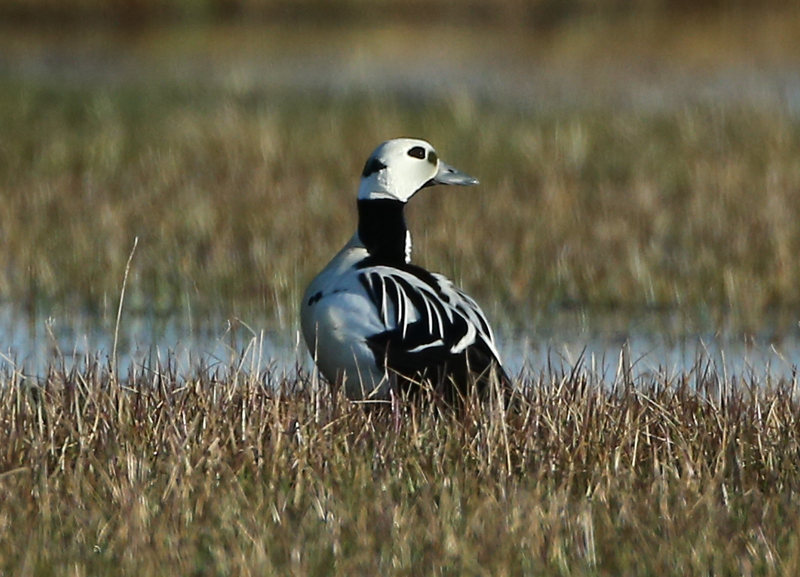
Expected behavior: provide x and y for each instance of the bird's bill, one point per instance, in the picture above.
(449, 175)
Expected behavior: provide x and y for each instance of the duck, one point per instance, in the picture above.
(379, 326)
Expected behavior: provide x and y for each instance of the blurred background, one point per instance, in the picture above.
(639, 164)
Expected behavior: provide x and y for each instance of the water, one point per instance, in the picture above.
(652, 344)
(31, 344)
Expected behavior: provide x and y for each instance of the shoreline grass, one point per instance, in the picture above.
(232, 472)
(238, 198)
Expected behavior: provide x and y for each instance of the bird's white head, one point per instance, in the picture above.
(399, 168)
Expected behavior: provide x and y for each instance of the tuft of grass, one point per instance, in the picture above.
(225, 471)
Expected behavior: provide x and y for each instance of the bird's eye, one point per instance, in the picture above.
(432, 158)
(417, 152)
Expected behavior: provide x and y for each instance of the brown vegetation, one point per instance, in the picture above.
(239, 198)
(223, 471)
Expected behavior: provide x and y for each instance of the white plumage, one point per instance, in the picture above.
(376, 323)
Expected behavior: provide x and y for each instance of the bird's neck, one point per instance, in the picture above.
(382, 229)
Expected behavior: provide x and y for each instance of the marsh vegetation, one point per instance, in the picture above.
(239, 182)
(237, 198)
(235, 472)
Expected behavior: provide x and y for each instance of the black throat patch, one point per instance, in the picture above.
(382, 229)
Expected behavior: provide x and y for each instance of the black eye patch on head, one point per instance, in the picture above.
(417, 152)
(372, 166)
(432, 158)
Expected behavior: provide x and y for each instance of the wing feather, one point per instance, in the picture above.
(431, 327)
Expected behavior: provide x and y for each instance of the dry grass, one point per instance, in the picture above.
(228, 472)
(238, 198)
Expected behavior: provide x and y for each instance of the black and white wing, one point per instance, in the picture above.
(433, 330)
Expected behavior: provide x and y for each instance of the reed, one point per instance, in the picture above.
(222, 470)
(239, 197)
